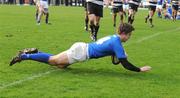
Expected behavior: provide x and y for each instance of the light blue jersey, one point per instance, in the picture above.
(169, 1)
(160, 2)
(44, 0)
(110, 45)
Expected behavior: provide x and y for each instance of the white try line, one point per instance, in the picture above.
(48, 72)
(26, 79)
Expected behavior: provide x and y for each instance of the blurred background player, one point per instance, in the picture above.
(174, 9)
(95, 12)
(168, 13)
(43, 9)
(159, 8)
(37, 4)
(117, 8)
(152, 9)
(125, 7)
(80, 51)
(178, 13)
(133, 8)
(86, 16)
(168, 10)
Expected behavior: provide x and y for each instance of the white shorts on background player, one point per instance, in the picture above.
(159, 7)
(44, 4)
(125, 6)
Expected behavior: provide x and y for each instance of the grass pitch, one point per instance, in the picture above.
(157, 47)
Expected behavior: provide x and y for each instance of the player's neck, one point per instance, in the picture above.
(120, 37)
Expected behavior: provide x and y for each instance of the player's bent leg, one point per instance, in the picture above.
(47, 16)
(132, 17)
(37, 11)
(92, 25)
(129, 15)
(114, 19)
(40, 15)
(46, 13)
(121, 16)
(86, 21)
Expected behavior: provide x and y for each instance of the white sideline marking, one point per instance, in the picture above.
(152, 36)
(26, 79)
(48, 72)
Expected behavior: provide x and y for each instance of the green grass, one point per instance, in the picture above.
(95, 78)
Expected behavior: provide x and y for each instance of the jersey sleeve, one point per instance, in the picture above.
(119, 51)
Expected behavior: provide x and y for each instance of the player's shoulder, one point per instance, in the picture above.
(115, 36)
(114, 39)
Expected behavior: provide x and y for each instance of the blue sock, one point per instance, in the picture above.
(159, 14)
(40, 56)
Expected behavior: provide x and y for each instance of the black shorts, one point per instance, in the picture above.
(133, 6)
(95, 9)
(175, 7)
(164, 6)
(117, 9)
(152, 8)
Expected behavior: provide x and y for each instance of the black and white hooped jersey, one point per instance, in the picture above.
(175, 2)
(98, 2)
(117, 3)
(152, 2)
(136, 2)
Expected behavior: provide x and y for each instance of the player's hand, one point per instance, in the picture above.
(145, 68)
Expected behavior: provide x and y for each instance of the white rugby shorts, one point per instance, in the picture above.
(44, 4)
(78, 52)
(159, 7)
(125, 6)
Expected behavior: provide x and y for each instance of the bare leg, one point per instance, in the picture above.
(114, 19)
(97, 20)
(60, 60)
(92, 25)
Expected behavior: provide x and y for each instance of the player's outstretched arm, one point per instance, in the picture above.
(126, 64)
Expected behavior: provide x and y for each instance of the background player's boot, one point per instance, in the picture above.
(151, 25)
(86, 27)
(146, 18)
(94, 36)
(114, 25)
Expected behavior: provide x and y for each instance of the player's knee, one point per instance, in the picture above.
(91, 22)
(97, 24)
(53, 61)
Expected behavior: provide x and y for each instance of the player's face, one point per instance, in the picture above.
(126, 37)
